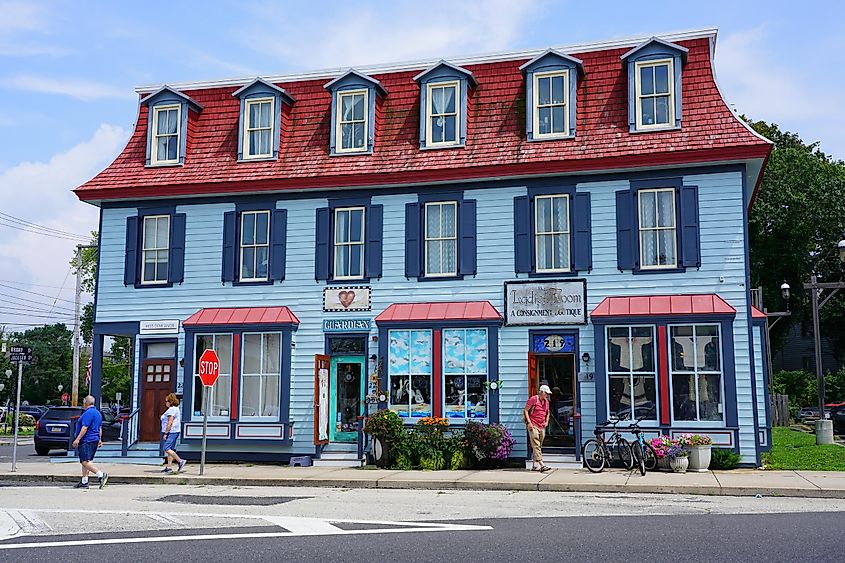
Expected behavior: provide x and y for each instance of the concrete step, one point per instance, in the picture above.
(338, 463)
(557, 461)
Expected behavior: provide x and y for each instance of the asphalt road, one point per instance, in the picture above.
(26, 452)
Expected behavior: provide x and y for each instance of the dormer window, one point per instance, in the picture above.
(260, 119)
(167, 126)
(444, 89)
(654, 85)
(550, 86)
(354, 97)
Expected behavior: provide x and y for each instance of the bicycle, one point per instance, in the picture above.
(645, 458)
(597, 452)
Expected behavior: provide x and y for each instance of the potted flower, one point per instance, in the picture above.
(699, 452)
(386, 428)
(661, 445)
(678, 458)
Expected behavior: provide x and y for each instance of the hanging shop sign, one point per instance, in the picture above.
(552, 343)
(355, 298)
(552, 302)
(346, 325)
(159, 327)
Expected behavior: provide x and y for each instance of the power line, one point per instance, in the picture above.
(30, 309)
(43, 233)
(33, 284)
(37, 226)
(64, 281)
(36, 293)
(41, 303)
(12, 312)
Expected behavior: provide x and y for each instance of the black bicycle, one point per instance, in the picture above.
(645, 458)
(599, 452)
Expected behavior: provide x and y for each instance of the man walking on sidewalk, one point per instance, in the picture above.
(536, 417)
(87, 441)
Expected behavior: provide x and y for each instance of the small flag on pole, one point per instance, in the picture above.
(88, 374)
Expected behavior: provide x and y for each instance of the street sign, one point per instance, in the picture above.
(20, 354)
(209, 367)
(65, 397)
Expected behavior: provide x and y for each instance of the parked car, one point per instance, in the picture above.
(53, 430)
(837, 415)
(35, 411)
(807, 414)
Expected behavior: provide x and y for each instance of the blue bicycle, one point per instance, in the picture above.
(643, 453)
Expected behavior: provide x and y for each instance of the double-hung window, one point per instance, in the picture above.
(165, 141)
(351, 126)
(349, 233)
(155, 250)
(255, 246)
(441, 239)
(258, 128)
(261, 376)
(442, 113)
(551, 115)
(655, 104)
(658, 235)
(696, 373)
(221, 392)
(552, 233)
(632, 372)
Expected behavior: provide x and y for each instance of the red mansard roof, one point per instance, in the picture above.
(496, 146)
(450, 311)
(660, 305)
(242, 316)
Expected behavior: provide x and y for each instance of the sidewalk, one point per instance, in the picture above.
(739, 482)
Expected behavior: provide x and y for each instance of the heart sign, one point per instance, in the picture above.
(346, 298)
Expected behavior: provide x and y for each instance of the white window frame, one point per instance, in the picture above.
(339, 122)
(657, 228)
(536, 103)
(254, 245)
(225, 371)
(639, 95)
(427, 239)
(155, 249)
(248, 129)
(391, 403)
(262, 391)
(698, 422)
(154, 159)
(655, 421)
(429, 107)
(566, 233)
(444, 374)
(338, 246)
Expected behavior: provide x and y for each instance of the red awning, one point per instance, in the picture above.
(757, 313)
(661, 305)
(450, 311)
(242, 316)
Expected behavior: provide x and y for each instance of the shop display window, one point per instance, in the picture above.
(220, 397)
(261, 376)
(632, 372)
(465, 353)
(409, 372)
(696, 373)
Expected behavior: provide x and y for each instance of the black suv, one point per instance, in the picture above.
(53, 430)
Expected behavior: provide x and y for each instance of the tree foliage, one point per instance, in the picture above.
(52, 364)
(801, 386)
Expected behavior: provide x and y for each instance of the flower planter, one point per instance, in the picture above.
(663, 464)
(381, 452)
(699, 458)
(679, 464)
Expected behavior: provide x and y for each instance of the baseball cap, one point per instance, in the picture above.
(545, 389)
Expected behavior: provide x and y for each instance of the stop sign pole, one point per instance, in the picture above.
(208, 372)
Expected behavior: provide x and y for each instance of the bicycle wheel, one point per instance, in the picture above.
(623, 453)
(639, 461)
(593, 455)
(650, 457)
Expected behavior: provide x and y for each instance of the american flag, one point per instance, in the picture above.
(88, 374)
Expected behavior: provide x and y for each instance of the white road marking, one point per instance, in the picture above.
(166, 519)
(8, 526)
(303, 526)
(29, 522)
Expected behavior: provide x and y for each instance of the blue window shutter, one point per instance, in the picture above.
(130, 265)
(690, 240)
(177, 249)
(624, 231)
(375, 228)
(412, 240)
(229, 246)
(467, 252)
(522, 234)
(321, 255)
(583, 244)
(278, 245)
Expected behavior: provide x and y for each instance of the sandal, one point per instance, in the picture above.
(545, 468)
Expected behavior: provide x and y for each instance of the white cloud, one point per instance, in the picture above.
(20, 21)
(81, 89)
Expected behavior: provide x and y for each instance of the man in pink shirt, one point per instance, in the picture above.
(536, 417)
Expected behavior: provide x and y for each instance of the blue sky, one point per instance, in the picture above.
(68, 69)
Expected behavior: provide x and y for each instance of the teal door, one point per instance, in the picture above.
(347, 397)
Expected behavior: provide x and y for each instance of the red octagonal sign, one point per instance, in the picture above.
(209, 367)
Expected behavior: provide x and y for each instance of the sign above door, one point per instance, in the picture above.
(552, 302)
(552, 343)
(356, 298)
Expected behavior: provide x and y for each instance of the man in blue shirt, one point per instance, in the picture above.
(87, 441)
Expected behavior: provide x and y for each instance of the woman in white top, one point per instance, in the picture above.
(171, 426)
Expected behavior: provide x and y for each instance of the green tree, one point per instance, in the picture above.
(90, 258)
(52, 363)
(116, 371)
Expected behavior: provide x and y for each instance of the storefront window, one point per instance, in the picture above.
(696, 373)
(221, 393)
(465, 373)
(261, 376)
(631, 372)
(409, 371)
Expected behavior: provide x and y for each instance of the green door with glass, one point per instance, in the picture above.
(346, 397)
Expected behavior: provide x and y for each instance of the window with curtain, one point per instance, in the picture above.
(255, 246)
(442, 110)
(351, 127)
(441, 239)
(261, 376)
(632, 372)
(465, 373)
(220, 396)
(657, 229)
(551, 233)
(349, 243)
(259, 128)
(156, 249)
(409, 370)
(655, 84)
(165, 146)
(696, 370)
(550, 113)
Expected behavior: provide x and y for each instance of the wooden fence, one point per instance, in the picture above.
(780, 410)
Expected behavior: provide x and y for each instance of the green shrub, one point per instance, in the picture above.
(26, 419)
(403, 462)
(456, 461)
(721, 458)
(385, 424)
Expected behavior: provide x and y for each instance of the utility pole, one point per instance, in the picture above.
(74, 397)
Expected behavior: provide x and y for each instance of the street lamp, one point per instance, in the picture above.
(841, 247)
(784, 291)
(61, 387)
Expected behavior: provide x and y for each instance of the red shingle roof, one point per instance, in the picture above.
(757, 313)
(660, 305)
(451, 311)
(495, 145)
(242, 316)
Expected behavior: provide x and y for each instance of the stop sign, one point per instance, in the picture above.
(65, 397)
(209, 367)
